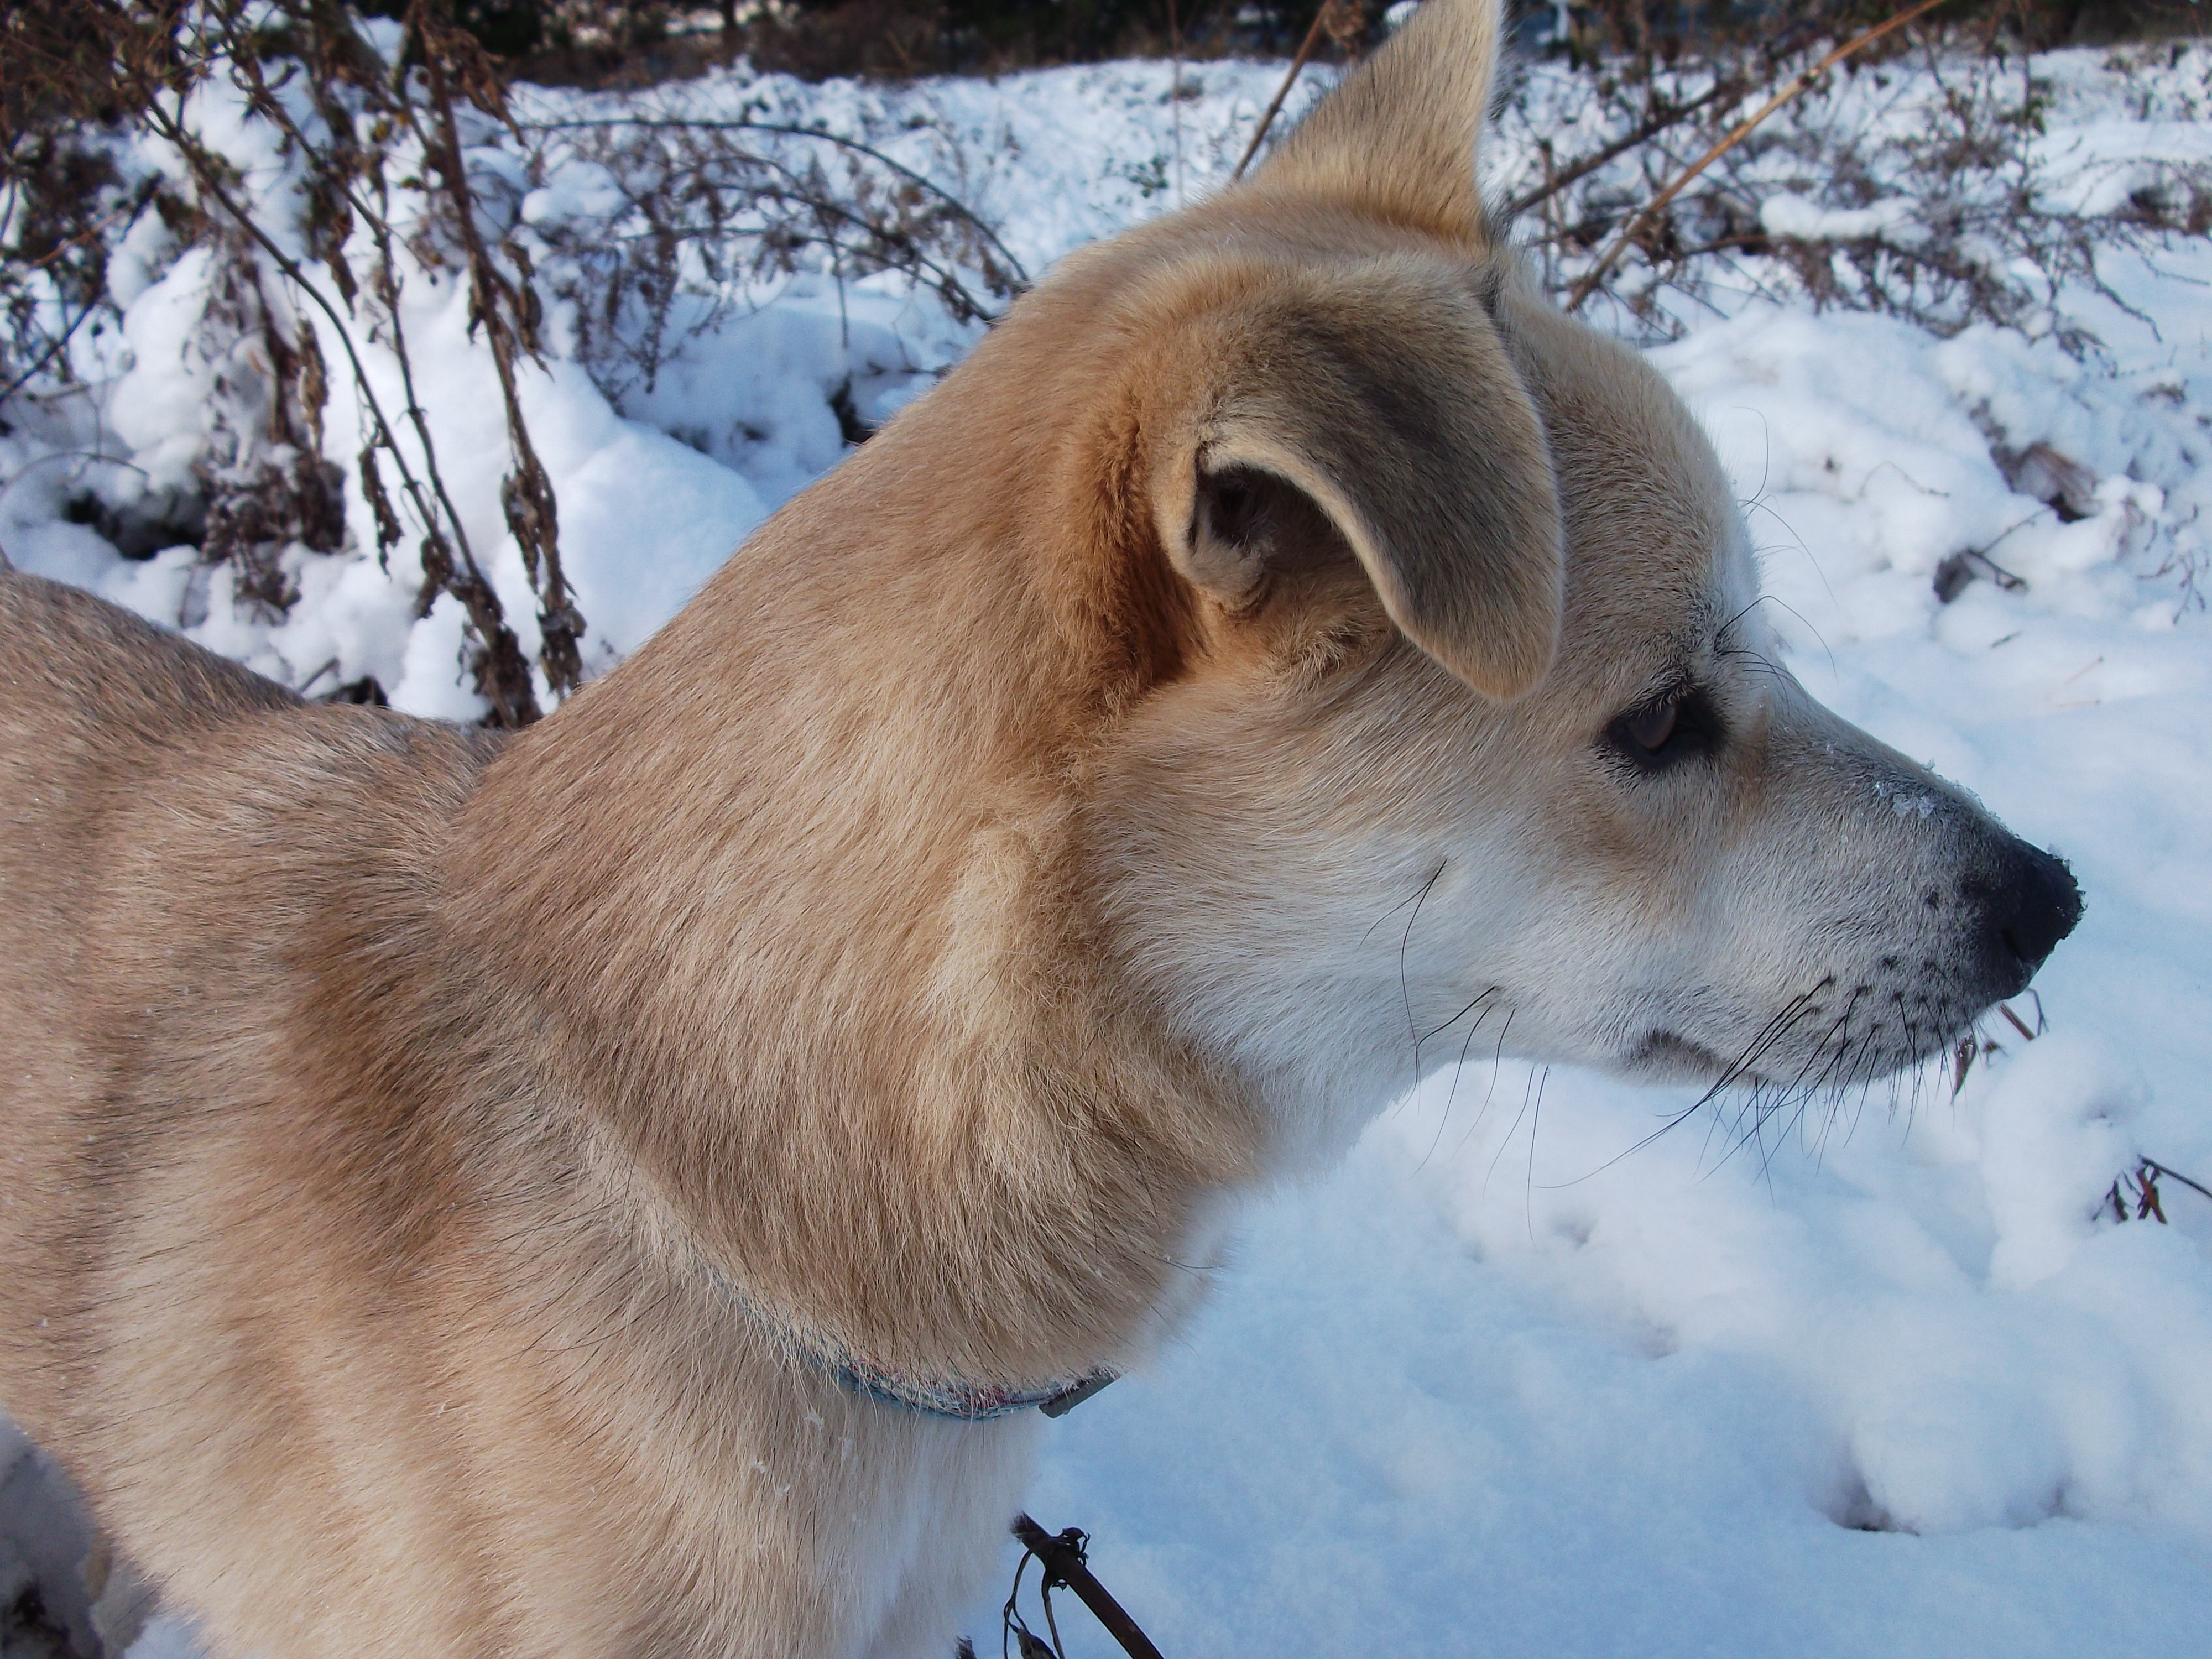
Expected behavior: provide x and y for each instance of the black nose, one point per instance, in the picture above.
(2031, 905)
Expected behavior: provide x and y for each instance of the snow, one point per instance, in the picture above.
(1792, 214)
(1883, 1377)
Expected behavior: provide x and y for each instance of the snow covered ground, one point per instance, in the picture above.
(1884, 1377)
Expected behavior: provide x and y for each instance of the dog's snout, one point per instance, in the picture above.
(2031, 904)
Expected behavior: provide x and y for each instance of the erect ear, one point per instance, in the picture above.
(1385, 399)
(1397, 139)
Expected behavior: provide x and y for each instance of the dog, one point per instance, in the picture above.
(620, 1189)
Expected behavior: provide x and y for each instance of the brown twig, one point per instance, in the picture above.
(1736, 135)
(526, 494)
(475, 593)
(1175, 90)
(132, 208)
(1062, 1560)
(1290, 79)
(502, 672)
(54, 349)
(2161, 1171)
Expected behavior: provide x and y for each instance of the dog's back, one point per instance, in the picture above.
(187, 852)
(91, 698)
(96, 708)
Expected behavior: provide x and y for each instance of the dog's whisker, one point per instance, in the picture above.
(1461, 1015)
(1497, 1060)
(1528, 1184)
(1527, 1089)
(1766, 1095)
(1775, 1029)
(1458, 1068)
(1405, 992)
(1799, 1090)
(1413, 897)
(1862, 1079)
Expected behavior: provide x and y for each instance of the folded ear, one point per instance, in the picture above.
(1397, 139)
(1389, 404)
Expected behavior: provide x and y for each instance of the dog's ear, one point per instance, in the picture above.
(1388, 405)
(1397, 139)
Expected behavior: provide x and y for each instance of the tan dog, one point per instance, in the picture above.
(525, 1198)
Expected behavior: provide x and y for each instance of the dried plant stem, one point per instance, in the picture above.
(129, 210)
(1727, 91)
(502, 677)
(482, 603)
(502, 672)
(1736, 135)
(946, 280)
(203, 175)
(55, 346)
(1175, 92)
(1290, 79)
(2163, 1173)
(526, 493)
(345, 110)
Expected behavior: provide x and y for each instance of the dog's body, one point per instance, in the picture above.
(450, 1176)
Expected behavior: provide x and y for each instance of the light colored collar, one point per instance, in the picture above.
(953, 1399)
(964, 1402)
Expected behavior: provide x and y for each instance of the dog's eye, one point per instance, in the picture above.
(1649, 729)
(1658, 735)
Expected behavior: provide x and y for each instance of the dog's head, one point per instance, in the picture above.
(1453, 722)
(1286, 654)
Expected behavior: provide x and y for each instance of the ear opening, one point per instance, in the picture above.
(1388, 412)
(1249, 528)
(1397, 137)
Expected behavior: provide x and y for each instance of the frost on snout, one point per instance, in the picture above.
(1922, 909)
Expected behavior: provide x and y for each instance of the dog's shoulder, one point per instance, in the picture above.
(127, 749)
(69, 657)
(86, 686)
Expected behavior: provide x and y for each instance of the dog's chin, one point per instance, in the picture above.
(1668, 1057)
(1662, 1056)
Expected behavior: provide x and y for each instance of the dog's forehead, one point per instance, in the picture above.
(1653, 598)
(1657, 561)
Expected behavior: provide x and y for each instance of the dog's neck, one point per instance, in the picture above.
(799, 893)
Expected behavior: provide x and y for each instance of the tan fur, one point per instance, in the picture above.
(427, 1151)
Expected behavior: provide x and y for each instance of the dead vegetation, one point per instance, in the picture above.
(696, 212)
(1906, 179)
(385, 166)
(268, 485)
(2134, 1195)
(1636, 176)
